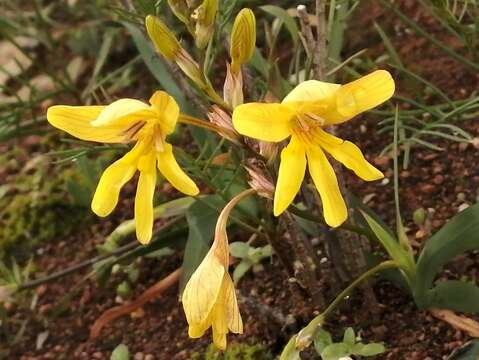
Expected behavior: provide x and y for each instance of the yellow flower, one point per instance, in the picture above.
(124, 121)
(302, 114)
(209, 297)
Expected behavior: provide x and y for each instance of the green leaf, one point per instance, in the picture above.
(241, 269)
(459, 235)
(368, 349)
(201, 218)
(392, 247)
(120, 353)
(322, 339)
(349, 336)
(283, 16)
(156, 67)
(469, 351)
(335, 351)
(239, 249)
(454, 295)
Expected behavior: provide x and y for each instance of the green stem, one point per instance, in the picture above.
(305, 336)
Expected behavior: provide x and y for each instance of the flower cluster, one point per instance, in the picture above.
(302, 116)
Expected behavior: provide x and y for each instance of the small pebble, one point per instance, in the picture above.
(139, 356)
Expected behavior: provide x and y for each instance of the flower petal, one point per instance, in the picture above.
(268, 122)
(123, 113)
(144, 197)
(361, 95)
(291, 175)
(311, 91)
(173, 173)
(112, 180)
(235, 323)
(167, 108)
(76, 120)
(349, 155)
(324, 178)
(201, 292)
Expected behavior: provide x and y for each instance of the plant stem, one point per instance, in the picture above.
(305, 336)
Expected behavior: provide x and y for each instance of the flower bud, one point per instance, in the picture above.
(163, 38)
(168, 46)
(243, 39)
(205, 16)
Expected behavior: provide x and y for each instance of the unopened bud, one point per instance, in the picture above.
(222, 119)
(243, 39)
(205, 16)
(167, 44)
(163, 38)
(233, 87)
(260, 183)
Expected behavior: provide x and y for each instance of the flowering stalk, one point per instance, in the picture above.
(209, 298)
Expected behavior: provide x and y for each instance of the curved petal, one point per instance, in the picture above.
(235, 323)
(144, 197)
(201, 292)
(170, 169)
(112, 180)
(76, 120)
(268, 122)
(124, 113)
(349, 155)
(361, 95)
(324, 178)
(291, 175)
(167, 108)
(311, 91)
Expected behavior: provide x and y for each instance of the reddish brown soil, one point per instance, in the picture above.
(434, 180)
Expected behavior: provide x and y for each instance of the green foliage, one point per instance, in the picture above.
(459, 235)
(121, 352)
(250, 257)
(36, 207)
(329, 350)
(234, 352)
(469, 351)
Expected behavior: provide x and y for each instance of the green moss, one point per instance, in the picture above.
(235, 351)
(36, 207)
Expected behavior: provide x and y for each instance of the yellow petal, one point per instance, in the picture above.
(349, 155)
(324, 178)
(202, 290)
(112, 180)
(362, 94)
(233, 316)
(167, 109)
(311, 91)
(268, 122)
(291, 175)
(76, 120)
(172, 172)
(123, 113)
(144, 197)
(195, 331)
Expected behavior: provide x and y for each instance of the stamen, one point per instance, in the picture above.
(134, 129)
(158, 138)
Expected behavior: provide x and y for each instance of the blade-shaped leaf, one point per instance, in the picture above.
(454, 295)
(459, 235)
